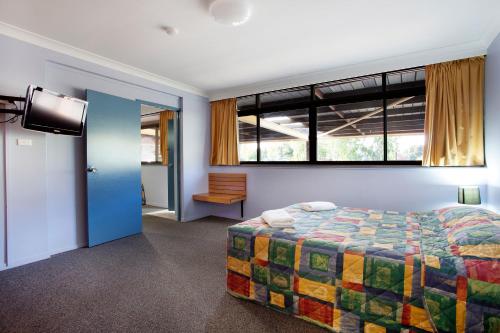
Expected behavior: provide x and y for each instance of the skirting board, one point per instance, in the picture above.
(30, 260)
(60, 250)
(27, 260)
(157, 204)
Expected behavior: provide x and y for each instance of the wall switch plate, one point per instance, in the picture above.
(24, 142)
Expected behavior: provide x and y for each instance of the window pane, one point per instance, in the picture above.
(286, 96)
(148, 147)
(351, 132)
(246, 103)
(247, 128)
(405, 128)
(284, 136)
(349, 87)
(407, 78)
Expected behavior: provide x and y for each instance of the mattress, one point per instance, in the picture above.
(361, 270)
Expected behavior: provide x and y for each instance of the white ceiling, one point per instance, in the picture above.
(283, 38)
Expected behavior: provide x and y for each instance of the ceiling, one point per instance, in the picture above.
(283, 38)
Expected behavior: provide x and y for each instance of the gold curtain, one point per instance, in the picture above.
(454, 113)
(165, 116)
(224, 150)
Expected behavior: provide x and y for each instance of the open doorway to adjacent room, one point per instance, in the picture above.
(158, 157)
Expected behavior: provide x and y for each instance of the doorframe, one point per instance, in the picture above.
(171, 166)
(177, 151)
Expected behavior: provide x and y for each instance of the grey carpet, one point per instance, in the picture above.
(171, 278)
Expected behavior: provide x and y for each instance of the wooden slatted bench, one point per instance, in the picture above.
(225, 188)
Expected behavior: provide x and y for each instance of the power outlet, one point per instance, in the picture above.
(24, 142)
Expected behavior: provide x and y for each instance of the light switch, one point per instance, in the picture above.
(24, 142)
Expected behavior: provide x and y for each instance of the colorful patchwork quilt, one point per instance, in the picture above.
(361, 270)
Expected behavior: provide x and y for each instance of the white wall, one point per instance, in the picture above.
(155, 181)
(492, 123)
(195, 157)
(65, 190)
(393, 188)
(44, 184)
(49, 176)
(26, 196)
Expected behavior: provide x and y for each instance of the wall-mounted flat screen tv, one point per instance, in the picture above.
(52, 112)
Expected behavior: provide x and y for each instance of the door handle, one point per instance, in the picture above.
(92, 169)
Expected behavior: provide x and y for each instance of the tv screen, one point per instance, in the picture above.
(52, 112)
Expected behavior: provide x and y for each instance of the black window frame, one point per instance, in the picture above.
(313, 103)
(156, 126)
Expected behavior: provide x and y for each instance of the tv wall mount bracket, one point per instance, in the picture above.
(12, 100)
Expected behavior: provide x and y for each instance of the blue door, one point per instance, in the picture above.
(113, 141)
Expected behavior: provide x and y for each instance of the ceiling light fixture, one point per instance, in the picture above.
(231, 12)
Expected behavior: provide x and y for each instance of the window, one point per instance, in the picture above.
(247, 127)
(285, 97)
(349, 87)
(351, 132)
(284, 136)
(405, 128)
(406, 78)
(374, 119)
(150, 144)
(245, 103)
(405, 116)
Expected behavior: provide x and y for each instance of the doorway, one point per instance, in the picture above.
(113, 158)
(158, 160)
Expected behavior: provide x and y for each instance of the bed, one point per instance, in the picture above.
(361, 270)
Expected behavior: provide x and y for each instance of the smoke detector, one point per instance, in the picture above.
(171, 31)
